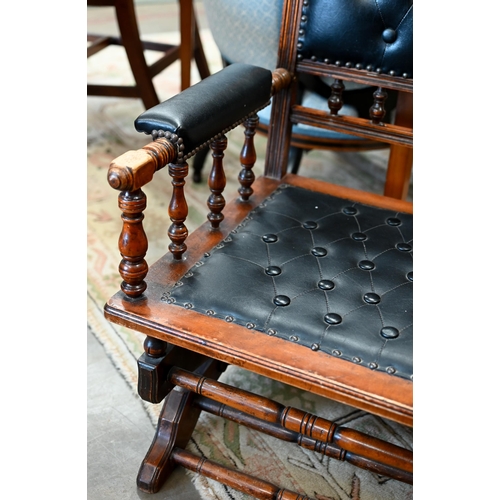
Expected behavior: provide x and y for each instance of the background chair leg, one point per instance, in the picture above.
(400, 164)
(294, 159)
(399, 168)
(199, 53)
(198, 163)
(127, 22)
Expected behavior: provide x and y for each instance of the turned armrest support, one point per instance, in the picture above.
(212, 107)
(192, 119)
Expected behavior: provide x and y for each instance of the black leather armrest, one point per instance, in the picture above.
(214, 105)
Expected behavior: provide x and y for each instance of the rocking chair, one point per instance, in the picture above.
(295, 279)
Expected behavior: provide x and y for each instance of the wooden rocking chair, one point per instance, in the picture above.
(295, 279)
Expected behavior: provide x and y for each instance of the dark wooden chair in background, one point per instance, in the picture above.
(295, 279)
(247, 31)
(130, 39)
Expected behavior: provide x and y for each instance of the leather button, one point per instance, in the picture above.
(270, 238)
(389, 35)
(371, 298)
(273, 270)
(389, 332)
(281, 300)
(310, 224)
(350, 211)
(326, 285)
(366, 265)
(358, 236)
(319, 251)
(410, 276)
(393, 221)
(404, 247)
(333, 318)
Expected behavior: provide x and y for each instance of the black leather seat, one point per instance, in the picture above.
(313, 269)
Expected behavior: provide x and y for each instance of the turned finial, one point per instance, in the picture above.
(281, 79)
(134, 169)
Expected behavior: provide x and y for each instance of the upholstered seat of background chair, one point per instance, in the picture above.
(296, 279)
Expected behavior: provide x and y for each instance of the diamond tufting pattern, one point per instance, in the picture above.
(324, 272)
(366, 34)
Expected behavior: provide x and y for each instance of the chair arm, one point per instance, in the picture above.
(187, 122)
(209, 108)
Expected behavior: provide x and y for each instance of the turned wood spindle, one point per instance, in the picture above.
(240, 481)
(133, 243)
(296, 420)
(128, 173)
(377, 111)
(336, 101)
(276, 430)
(248, 157)
(178, 210)
(217, 182)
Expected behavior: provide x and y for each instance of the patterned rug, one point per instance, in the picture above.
(110, 133)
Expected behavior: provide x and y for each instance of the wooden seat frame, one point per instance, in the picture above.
(188, 350)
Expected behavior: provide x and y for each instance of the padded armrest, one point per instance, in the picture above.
(214, 105)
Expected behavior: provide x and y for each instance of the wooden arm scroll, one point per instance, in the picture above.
(134, 169)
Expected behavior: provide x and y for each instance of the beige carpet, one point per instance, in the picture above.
(110, 133)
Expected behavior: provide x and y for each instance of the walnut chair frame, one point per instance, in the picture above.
(187, 346)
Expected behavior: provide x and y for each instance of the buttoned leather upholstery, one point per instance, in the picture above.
(332, 275)
(374, 35)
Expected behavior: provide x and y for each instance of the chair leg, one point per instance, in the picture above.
(199, 53)
(175, 426)
(294, 159)
(127, 23)
(198, 163)
(399, 170)
(191, 46)
(187, 41)
(400, 164)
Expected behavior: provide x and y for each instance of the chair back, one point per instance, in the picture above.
(340, 41)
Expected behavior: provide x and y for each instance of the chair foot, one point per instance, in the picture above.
(175, 426)
(177, 421)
